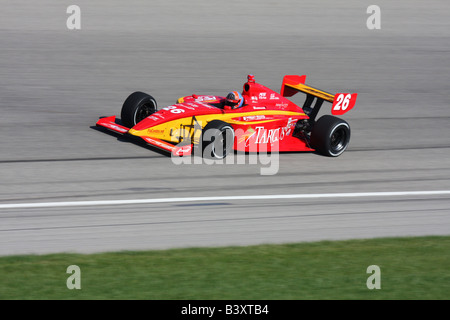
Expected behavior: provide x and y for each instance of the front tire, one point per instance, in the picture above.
(136, 108)
(217, 140)
(330, 136)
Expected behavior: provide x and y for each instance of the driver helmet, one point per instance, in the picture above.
(234, 100)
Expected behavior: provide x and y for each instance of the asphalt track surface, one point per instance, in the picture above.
(55, 83)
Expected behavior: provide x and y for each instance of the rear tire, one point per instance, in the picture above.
(217, 140)
(136, 108)
(330, 136)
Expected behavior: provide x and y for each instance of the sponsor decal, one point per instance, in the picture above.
(182, 150)
(155, 131)
(263, 135)
(254, 118)
(153, 118)
(273, 96)
(206, 99)
(116, 127)
(157, 143)
(206, 105)
(158, 114)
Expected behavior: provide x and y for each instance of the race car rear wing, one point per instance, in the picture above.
(293, 84)
(342, 102)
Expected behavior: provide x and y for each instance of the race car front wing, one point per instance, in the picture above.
(111, 124)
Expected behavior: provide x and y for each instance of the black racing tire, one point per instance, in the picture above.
(217, 140)
(330, 136)
(136, 108)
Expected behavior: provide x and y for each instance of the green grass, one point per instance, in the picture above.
(411, 268)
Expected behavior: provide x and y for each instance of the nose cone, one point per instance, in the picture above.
(176, 112)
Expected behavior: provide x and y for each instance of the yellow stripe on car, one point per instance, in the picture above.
(175, 130)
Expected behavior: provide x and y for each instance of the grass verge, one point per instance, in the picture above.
(410, 268)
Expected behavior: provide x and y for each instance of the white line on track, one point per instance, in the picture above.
(222, 198)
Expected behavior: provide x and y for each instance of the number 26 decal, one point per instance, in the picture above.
(343, 102)
(173, 109)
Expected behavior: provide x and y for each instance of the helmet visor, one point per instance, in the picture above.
(231, 102)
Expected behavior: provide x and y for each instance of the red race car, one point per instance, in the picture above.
(255, 120)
